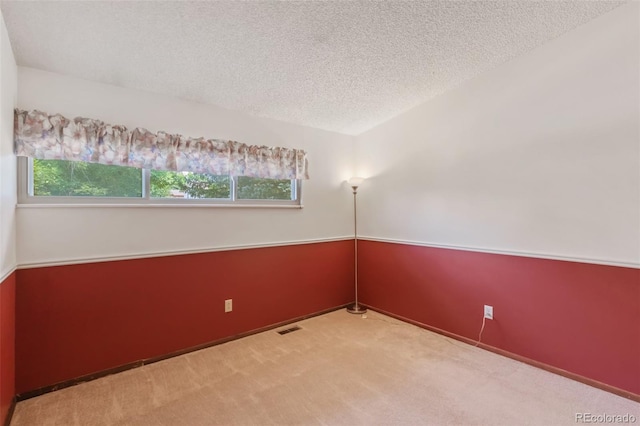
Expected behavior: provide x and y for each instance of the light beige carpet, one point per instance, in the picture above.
(339, 369)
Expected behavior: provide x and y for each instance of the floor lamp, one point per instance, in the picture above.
(355, 182)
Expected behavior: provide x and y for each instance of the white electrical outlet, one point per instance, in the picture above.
(228, 305)
(488, 312)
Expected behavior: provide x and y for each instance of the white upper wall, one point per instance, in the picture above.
(538, 156)
(8, 97)
(66, 234)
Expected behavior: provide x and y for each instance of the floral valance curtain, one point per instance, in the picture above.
(54, 137)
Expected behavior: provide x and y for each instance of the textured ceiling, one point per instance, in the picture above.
(341, 66)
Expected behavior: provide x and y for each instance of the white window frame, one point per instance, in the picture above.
(26, 197)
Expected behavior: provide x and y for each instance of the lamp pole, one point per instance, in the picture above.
(355, 308)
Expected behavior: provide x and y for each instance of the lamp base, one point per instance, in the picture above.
(356, 309)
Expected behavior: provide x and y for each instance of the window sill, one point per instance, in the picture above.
(157, 205)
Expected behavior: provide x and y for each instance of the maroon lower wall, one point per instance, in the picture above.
(579, 317)
(7, 344)
(76, 320)
(80, 319)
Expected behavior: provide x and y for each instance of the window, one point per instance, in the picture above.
(187, 185)
(52, 178)
(72, 182)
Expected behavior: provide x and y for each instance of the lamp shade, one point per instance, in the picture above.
(355, 181)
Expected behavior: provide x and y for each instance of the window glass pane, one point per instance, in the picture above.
(74, 178)
(265, 189)
(167, 184)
